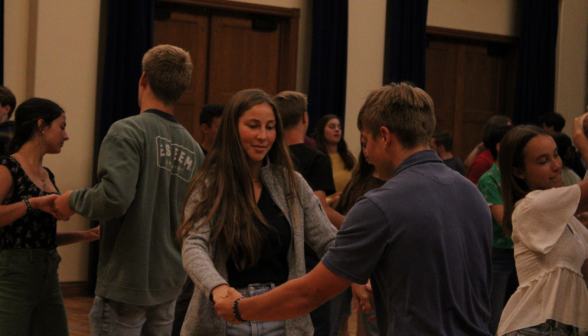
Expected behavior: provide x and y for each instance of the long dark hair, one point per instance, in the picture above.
(510, 158)
(321, 142)
(357, 185)
(26, 118)
(224, 184)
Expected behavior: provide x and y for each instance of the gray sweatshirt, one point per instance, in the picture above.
(144, 167)
(206, 264)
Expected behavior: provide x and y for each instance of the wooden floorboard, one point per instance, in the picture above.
(77, 309)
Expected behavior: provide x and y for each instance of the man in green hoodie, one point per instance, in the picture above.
(144, 167)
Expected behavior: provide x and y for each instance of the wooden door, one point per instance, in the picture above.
(173, 31)
(242, 57)
(470, 80)
(234, 46)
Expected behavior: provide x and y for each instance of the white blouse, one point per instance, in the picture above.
(550, 247)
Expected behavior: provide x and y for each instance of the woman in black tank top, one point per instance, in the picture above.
(30, 296)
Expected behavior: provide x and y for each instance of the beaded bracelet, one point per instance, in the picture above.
(28, 205)
(236, 315)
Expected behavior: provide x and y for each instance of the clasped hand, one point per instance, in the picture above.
(224, 304)
(61, 207)
(56, 205)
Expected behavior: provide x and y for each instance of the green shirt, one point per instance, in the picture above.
(489, 186)
(144, 168)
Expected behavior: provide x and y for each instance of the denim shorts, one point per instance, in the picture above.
(549, 328)
(257, 328)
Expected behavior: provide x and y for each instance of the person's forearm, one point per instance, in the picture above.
(10, 213)
(290, 300)
(67, 238)
(473, 155)
(334, 217)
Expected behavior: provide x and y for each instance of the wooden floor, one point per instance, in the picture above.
(78, 308)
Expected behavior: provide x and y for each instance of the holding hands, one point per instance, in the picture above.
(224, 303)
(61, 207)
(56, 205)
(44, 203)
(363, 298)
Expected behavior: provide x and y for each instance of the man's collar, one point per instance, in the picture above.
(420, 157)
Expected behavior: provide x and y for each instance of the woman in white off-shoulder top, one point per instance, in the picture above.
(550, 244)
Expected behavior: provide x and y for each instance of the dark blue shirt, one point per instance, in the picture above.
(425, 239)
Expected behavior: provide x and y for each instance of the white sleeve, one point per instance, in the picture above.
(541, 217)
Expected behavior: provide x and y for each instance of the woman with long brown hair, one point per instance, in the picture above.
(329, 140)
(550, 244)
(246, 219)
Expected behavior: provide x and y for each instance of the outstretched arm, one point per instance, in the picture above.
(334, 217)
(292, 299)
(473, 155)
(66, 238)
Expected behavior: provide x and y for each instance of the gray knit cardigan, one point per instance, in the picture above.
(206, 264)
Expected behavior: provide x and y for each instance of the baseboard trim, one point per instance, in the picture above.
(76, 288)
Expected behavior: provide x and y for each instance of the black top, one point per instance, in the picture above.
(314, 166)
(162, 114)
(36, 230)
(455, 164)
(203, 150)
(273, 260)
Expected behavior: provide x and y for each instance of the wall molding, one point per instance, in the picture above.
(76, 288)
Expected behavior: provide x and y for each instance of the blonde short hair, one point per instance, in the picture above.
(291, 106)
(169, 70)
(405, 110)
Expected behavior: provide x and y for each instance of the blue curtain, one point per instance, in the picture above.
(129, 34)
(2, 42)
(328, 67)
(406, 41)
(535, 87)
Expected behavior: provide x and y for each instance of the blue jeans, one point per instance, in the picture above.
(549, 328)
(30, 295)
(112, 318)
(504, 283)
(257, 328)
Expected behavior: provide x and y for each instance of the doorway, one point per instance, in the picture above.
(233, 46)
(471, 77)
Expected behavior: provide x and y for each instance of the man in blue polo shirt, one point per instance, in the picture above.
(424, 238)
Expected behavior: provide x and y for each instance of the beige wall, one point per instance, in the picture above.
(15, 46)
(493, 17)
(65, 66)
(571, 95)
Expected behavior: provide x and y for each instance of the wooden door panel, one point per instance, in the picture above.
(440, 84)
(468, 85)
(482, 80)
(174, 31)
(241, 58)
(482, 94)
